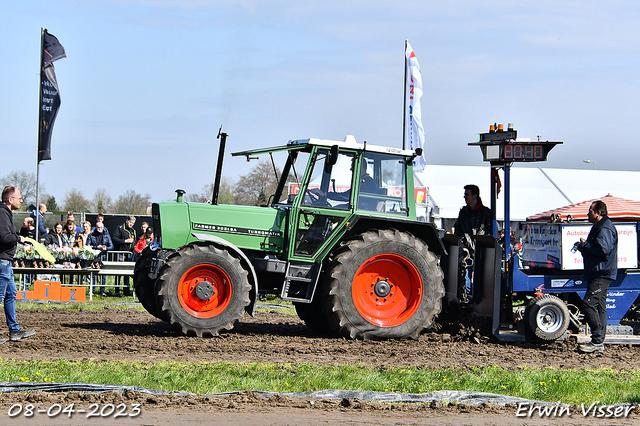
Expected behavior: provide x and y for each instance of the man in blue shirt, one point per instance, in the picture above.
(38, 216)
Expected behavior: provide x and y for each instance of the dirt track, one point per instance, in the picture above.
(113, 334)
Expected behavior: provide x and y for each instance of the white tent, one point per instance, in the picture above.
(533, 189)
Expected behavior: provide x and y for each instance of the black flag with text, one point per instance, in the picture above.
(52, 50)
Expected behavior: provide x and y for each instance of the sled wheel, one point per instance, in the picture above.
(546, 318)
(203, 290)
(145, 286)
(383, 284)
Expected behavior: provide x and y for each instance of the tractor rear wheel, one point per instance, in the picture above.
(145, 286)
(383, 284)
(546, 318)
(202, 290)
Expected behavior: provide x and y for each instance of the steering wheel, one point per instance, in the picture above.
(317, 199)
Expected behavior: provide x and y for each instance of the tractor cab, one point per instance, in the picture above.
(329, 184)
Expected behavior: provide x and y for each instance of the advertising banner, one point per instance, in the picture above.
(548, 245)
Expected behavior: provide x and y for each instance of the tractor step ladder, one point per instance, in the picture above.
(300, 281)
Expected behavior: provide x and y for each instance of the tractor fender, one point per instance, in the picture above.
(424, 230)
(253, 294)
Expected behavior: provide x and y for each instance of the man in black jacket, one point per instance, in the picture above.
(600, 255)
(124, 238)
(474, 219)
(9, 239)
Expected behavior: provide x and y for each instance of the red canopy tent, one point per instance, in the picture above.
(619, 209)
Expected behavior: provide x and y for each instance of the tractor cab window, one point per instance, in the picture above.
(330, 187)
(382, 184)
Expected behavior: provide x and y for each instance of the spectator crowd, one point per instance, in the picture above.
(69, 234)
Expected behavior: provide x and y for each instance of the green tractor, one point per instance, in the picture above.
(339, 238)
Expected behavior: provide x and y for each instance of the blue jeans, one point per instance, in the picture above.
(8, 293)
(468, 274)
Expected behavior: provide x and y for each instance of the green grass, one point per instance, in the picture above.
(548, 384)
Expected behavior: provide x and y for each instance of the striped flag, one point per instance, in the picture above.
(415, 131)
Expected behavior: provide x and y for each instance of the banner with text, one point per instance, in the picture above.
(52, 50)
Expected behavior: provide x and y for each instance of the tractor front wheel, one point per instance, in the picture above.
(312, 314)
(145, 286)
(202, 290)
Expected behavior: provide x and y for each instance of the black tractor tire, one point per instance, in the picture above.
(546, 318)
(145, 286)
(382, 284)
(203, 290)
(313, 315)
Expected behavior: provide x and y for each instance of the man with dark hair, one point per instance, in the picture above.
(600, 255)
(474, 219)
(9, 239)
(124, 239)
(100, 219)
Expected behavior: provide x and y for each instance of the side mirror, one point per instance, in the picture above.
(332, 159)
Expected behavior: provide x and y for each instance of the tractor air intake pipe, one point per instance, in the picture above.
(216, 185)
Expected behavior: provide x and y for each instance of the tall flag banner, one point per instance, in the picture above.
(52, 50)
(415, 131)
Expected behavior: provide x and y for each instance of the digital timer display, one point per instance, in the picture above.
(523, 152)
(501, 146)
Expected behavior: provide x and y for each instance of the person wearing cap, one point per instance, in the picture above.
(144, 241)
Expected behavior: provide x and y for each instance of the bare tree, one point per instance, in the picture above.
(132, 203)
(25, 182)
(74, 201)
(225, 194)
(257, 186)
(101, 202)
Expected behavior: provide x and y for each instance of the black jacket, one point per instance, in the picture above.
(471, 223)
(8, 236)
(26, 232)
(52, 240)
(600, 251)
(123, 233)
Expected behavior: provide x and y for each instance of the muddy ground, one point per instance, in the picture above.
(114, 334)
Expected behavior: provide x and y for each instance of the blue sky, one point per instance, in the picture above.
(147, 83)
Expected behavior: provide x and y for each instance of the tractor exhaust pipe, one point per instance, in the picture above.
(216, 185)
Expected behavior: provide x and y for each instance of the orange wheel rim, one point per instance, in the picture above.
(387, 290)
(205, 291)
